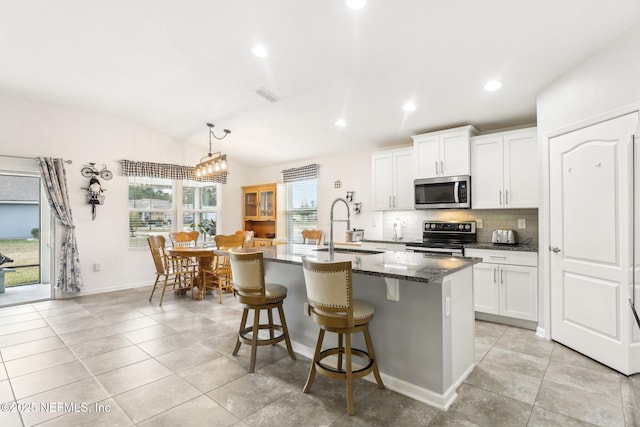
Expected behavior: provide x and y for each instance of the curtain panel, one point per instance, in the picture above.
(301, 173)
(55, 182)
(168, 171)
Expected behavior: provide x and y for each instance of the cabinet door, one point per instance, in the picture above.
(382, 177)
(487, 173)
(454, 154)
(427, 156)
(519, 292)
(267, 203)
(403, 197)
(251, 204)
(521, 170)
(485, 288)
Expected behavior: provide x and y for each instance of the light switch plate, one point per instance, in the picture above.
(522, 224)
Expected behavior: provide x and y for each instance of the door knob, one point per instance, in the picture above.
(554, 249)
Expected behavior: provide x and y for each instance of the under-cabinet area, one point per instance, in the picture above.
(505, 285)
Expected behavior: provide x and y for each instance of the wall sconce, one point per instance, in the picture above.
(350, 196)
(357, 207)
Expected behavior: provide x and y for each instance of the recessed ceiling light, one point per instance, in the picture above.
(259, 51)
(492, 85)
(409, 106)
(356, 4)
(340, 123)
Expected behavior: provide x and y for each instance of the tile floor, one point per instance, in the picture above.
(116, 360)
(26, 293)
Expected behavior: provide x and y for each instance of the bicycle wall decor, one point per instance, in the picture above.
(95, 189)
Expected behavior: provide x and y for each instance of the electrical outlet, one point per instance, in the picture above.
(522, 224)
(478, 223)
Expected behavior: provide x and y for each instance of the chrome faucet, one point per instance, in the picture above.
(337, 220)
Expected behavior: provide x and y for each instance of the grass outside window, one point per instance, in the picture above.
(22, 252)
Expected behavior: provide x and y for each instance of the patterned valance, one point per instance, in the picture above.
(168, 171)
(301, 173)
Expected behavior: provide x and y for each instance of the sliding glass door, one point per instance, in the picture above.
(25, 264)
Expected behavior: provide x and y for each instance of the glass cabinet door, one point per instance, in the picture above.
(267, 205)
(251, 204)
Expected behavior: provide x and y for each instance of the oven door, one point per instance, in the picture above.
(451, 192)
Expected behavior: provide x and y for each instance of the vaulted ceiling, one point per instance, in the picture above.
(174, 65)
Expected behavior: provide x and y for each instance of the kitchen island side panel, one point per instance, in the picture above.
(407, 334)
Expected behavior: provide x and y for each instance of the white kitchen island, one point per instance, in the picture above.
(423, 327)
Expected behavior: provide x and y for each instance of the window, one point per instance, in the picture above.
(151, 208)
(302, 208)
(199, 205)
(154, 210)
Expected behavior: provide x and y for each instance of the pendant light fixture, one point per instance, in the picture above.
(212, 163)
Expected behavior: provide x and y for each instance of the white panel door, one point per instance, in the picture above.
(590, 239)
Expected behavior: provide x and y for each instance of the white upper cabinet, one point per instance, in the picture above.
(443, 153)
(504, 170)
(392, 179)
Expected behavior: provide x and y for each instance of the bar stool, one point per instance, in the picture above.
(249, 286)
(331, 305)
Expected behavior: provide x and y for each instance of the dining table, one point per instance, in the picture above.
(205, 257)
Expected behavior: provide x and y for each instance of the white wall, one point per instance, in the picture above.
(33, 129)
(604, 82)
(353, 170)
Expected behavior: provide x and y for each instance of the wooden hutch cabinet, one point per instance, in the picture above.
(260, 212)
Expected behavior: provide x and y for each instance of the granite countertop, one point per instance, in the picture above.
(499, 247)
(394, 264)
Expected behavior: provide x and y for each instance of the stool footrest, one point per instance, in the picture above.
(342, 374)
(262, 341)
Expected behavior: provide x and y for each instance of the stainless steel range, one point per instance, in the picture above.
(444, 238)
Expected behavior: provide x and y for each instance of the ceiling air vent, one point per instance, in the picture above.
(269, 96)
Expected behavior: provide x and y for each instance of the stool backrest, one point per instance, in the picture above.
(329, 292)
(247, 272)
(184, 238)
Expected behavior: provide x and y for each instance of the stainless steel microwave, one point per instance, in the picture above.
(447, 192)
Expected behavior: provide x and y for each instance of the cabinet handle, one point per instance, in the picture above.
(506, 197)
(496, 256)
(502, 276)
(436, 162)
(500, 197)
(441, 167)
(494, 275)
(394, 201)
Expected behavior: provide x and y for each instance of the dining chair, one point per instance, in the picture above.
(254, 294)
(312, 236)
(169, 268)
(184, 238)
(248, 237)
(331, 305)
(220, 274)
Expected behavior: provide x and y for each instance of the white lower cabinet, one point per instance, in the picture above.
(506, 283)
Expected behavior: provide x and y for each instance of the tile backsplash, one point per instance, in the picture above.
(492, 219)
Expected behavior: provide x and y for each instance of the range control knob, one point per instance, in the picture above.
(433, 226)
(467, 227)
(460, 226)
